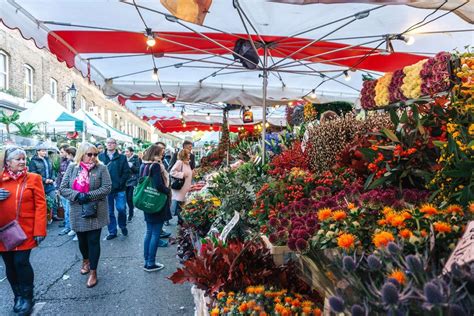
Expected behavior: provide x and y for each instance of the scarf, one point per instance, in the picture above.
(15, 175)
(82, 181)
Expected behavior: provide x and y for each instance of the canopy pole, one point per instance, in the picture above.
(264, 102)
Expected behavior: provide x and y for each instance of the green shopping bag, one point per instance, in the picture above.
(147, 198)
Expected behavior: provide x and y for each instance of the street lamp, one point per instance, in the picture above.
(73, 93)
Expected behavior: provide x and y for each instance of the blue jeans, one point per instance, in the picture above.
(117, 200)
(176, 210)
(152, 239)
(67, 209)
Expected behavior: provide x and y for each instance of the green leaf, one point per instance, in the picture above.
(390, 134)
(456, 173)
(377, 183)
(394, 117)
(439, 143)
(404, 117)
(368, 153)
(368, 181)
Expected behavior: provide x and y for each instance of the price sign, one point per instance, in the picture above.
(227, 229)
(464, 251)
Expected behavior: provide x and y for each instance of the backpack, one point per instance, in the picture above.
(146, 197)
(244, 48)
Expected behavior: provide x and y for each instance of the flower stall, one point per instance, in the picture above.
(359, 217)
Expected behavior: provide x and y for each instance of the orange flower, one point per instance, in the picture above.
(307, 310)
(317, 312)
(251, 304)
(231, 294)
(220, 295)
(398, 275)
(471, 207)
(307, 303)
(277, 300)
(296, 303)
(262, 314)
(324, 214)
(382, 222)
(250, 290)
(387, 210)
(428, 210)
(346, 241)
(215, 312)
(339, 215)
(286, 312)
(442, 227)
(279, 308)
(259, 289)
(454, 209)
(229, 301)
(405, 233)
(423, 233)
(406, 214)
(243, 307)
(397, 221)
(288, 299)
(351, 206)
(382, 239)
(226, 310)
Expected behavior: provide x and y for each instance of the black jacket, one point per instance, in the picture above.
(118, 169)
(134, 170)
(192, 162)
(155, 172)
(37, 166)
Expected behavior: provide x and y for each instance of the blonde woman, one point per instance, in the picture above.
(86, 184)
(181, 170)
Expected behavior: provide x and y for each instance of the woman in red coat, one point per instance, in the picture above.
(31, 206)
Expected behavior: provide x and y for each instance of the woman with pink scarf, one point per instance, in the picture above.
(86, 184)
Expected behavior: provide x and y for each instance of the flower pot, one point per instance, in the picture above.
(201, 302)
(281, 254)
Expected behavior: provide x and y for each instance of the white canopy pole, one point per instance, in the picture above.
(264, 103)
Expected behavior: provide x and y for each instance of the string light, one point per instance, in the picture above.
(184, 124)
(312, 95)
(164, 100)
(211, 128)
(150, 39)
(290, 103)
(388, 46)
(347, 75)
(408, 39)
(208, 116)
(196, 129)
(173, 107)
(277, 106)
(154, 75)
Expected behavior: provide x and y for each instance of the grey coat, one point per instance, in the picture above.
(100, 187)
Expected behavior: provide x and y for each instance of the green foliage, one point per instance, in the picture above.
(8, 119)
(339, 107)
(26, 129)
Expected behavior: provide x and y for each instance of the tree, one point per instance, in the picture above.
(8, 119)
(26, 129)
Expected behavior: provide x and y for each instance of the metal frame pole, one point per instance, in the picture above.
(264, 102)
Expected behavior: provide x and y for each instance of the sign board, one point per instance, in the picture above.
(227, 229)
(464, 251)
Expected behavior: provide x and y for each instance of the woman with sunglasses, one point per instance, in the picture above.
(27, 204)
(86, 184)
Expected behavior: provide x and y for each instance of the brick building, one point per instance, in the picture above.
(28, 73)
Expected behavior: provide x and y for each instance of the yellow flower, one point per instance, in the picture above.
(382, 96)
(215, 312)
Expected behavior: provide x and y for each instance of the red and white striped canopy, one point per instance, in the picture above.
(309, 46)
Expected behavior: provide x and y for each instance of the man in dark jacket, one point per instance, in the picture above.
(119, 173)
(41, 165)
(134, 163)
(192, 163)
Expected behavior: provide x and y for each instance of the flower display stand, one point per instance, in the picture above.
(281, 254)
(201, 301)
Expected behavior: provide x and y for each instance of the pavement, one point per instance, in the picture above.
(124, 288)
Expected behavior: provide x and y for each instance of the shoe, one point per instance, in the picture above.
(162, 244)
(64, 232)
(125, 231)
(26, 303)
(18, 300)
(110, 237)
(164, 234)
(130, 218)
(85, 269)
(167, 223)
(62, 225)
(71, 233)
(155, 267)
(92, 280)
(75, 238)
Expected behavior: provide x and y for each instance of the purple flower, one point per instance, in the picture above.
(394, 282)
(301, 245)
(357, 310)
(414, 264)
(284, 222)
(456, 310)
(337, 304)
(433, 293)
(348, 264)
(273, 238)
(393, 248)
(374, 263)
(292, 244)
(273, 222)
(312, 222)
(390, 294)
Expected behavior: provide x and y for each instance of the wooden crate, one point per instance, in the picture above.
(281, 254)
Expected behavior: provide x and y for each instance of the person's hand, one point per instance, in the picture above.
(83, 198)
(48, 181)
(4, 194)
(38, 239)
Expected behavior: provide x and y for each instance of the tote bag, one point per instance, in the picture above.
(146, 197)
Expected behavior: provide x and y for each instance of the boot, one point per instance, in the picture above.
(85, 267)
(18, 299)
(92, 281)
(26, 302)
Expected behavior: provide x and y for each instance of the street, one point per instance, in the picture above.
(124, 288)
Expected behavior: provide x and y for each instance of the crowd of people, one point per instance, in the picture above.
(96, 187)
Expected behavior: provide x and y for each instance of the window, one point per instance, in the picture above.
(28, 83)
(83, 103)
(53, 88)
(3, 70)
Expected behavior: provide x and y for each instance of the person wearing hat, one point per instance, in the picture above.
(41, 165)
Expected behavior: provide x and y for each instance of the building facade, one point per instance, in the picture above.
(28, 73)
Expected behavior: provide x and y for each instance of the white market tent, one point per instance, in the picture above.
(92, 127)
(301, 48)
(53, 115)
(110, 131)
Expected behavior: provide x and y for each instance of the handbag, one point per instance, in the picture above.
(177, 183)
(89, 209)
(146, 197)
(12, 235)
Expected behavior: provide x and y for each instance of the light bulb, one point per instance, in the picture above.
(92, 139)
(184, 124)
(196, 129)
(150, 39)
(312, 95)
(290, 103)
(208, 116)
(164, 101)
(267, 125)
(277, 106)
(154, 75)
(409, 39)
(173, 107)
(347, 75)
(220, 103)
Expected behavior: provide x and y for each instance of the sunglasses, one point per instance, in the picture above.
(92, 154)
